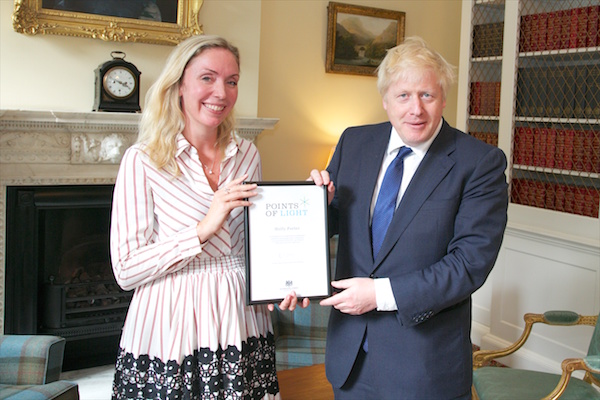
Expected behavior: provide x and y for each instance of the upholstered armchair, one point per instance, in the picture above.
(300, 336)
(509, 383)
(30, 367)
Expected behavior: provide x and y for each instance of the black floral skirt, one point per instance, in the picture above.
(231, 373)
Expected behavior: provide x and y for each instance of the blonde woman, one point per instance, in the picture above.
(177, 240)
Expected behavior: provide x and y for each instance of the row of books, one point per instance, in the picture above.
(561, 92)
(487, 137)
(581, 200)
(484, 98)
(566, 149)
(488, 40)
(562, 29)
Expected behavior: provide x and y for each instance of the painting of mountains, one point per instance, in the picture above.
(361, 40)
(358, 37)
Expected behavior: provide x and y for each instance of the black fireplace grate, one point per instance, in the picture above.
(84, 309)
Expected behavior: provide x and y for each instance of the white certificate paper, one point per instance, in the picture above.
(287, 242)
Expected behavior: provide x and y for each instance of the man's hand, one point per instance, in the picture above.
(321, 178)
(357, 296)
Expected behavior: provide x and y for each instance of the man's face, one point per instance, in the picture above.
(414, 106)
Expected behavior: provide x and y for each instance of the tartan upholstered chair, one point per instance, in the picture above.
(30, 367)
(508, 383)
(300, 336)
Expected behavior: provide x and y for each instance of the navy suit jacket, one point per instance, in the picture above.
(440, 247)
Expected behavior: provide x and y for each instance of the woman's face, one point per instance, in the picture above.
(208, 89)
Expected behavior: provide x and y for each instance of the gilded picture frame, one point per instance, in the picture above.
(359, 36)
(31, 18)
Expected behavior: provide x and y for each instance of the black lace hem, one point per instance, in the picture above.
(207, 374)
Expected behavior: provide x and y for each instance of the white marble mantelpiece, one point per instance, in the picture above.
(70, 148)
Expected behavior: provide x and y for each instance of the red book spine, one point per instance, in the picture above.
(550, 147)
(515, 191)
(490, 98)
(559, 198)
(535, 32)
(595, 150)
(553, 31)
(595, 203)
(528, 147)
(539, 147)
(550, 196)
(519, 146)
(576, 15)
(540, 194)
(559, 154)
(593, 28)
(565, 28)
(579, 200)
(531, 193)
(542, 31)
(582, 26)
(569, 199)
(483, 106)
(587, 207)
(475, 98)
(525, 38)
(588, 151)
(578, 151)
(568, 149)
(496, 98)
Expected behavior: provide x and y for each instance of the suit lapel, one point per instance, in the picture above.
(373, 151)
(435, 166)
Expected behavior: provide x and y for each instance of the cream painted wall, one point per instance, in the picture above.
(50, 72)
(314, 107)
(282, 45)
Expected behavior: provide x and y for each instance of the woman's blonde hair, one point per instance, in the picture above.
(162, 118)
(413, 53)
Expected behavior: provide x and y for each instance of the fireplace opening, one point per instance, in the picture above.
(59, 280)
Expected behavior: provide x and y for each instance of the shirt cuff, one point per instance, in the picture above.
(188, 242)
(384, 295)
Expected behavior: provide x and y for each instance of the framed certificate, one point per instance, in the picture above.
(287, 242)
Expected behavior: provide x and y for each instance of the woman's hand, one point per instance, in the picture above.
(227, 198)
(290, 302)
(321, 178)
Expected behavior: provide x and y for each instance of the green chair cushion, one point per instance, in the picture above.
(561, 317)
(295, 351)
(510, 384)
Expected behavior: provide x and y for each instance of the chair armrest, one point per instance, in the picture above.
(558, 318)
(589, 364)
(30, 359)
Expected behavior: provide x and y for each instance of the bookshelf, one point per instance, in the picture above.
(533, 89)
(550, 256)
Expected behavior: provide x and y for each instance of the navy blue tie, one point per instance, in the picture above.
(386, 200)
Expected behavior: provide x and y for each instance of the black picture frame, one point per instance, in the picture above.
(287, 242)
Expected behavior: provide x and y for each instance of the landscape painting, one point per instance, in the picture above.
(358, 37)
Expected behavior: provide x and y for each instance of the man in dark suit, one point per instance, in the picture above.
(401, 319)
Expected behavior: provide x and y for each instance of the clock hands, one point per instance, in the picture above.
(121, 83)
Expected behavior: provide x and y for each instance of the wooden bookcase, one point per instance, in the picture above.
(533, 89)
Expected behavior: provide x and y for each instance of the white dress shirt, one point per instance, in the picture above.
(383, 287)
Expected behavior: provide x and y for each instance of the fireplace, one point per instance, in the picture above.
(58, 271)
(65, 163)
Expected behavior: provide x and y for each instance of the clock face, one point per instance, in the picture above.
(119, 82)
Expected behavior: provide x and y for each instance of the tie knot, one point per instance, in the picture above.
(403, 152)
